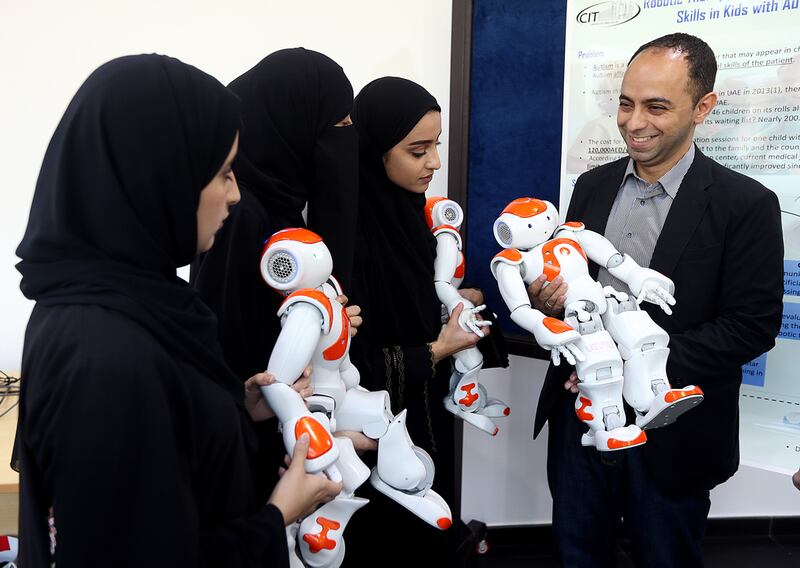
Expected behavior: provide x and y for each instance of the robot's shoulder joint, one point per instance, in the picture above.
(509, 256)
(571, 226)
(314, 297)
(448, 230)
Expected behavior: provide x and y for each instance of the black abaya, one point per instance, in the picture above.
(290, 154)
(393, 284)
(132, 428)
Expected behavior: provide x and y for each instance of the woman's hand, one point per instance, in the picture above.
(361, 442)
(548, 299)
(452, 338)
(255, 403)
(298, 493)
(353, 313)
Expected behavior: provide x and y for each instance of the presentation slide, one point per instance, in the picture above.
(755, 130)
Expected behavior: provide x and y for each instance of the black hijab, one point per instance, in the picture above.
(115, 207)
(396, 250)
(291, 154)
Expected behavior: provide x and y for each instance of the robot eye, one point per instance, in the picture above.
(530, 226)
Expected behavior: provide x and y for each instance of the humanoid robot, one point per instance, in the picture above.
(9, 547)
(315, 329)
(618, 351)
(467, 398)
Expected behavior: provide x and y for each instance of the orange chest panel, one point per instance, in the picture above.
(338, 349)
(560, 251)
(462, 266)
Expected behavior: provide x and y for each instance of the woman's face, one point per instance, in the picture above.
(215, 200)
(411, 163)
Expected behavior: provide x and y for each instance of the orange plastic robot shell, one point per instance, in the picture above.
(299, 235)
(525, 207)
(429, 205)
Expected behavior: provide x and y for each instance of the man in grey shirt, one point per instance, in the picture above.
(717, 235)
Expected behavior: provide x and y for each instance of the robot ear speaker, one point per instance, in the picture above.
(282, 267)
(504, 233)
(452, 215)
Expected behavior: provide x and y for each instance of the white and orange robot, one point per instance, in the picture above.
(467, 398)
(618, 350)
(315, 330)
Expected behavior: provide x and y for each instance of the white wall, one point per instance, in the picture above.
(505, 477)
(47, 49)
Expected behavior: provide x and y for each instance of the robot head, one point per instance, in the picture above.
(442, 211)
(525, 223)
(295, 258)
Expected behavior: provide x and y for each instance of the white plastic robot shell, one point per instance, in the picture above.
(442, 211)
(442, 229)
(295, 258)
(525, 223)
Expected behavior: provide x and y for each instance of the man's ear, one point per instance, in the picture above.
(704, 106)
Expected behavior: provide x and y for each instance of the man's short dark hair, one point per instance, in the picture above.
(699, 56)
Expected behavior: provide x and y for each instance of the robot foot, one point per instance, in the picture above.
(668, 406)
(620, 438)
(467, 392)
(496, 408)
(427, 505)
(320, 534)
(481, 419)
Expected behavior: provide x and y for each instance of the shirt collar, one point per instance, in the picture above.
(671, 180)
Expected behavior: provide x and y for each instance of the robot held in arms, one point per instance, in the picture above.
(315, 329)
(618, 350)
(467, 398)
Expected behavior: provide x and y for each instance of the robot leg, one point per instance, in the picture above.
(295, 420)
(643, 346)
(319, 537)
(405, 474)
(468, 399)
(599, 402)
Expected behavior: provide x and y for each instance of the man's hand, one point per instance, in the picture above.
(572, 383)
(254, 402)
(298, 493)
(548, 299)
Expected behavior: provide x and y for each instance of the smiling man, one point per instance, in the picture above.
(717, 235)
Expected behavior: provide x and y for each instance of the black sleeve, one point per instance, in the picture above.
(750, 298)
(123, 492)
(404, 371)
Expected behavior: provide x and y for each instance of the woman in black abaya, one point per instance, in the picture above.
(134, 436)
(402, 346)
(297, 147)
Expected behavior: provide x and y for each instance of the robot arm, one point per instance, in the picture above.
(293, 350)
(296, 343)
(448, 244)
(648, 285)
(548, 332)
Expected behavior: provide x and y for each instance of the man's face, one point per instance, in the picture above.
(656, 114)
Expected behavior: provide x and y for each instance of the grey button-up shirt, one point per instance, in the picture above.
(639, 212)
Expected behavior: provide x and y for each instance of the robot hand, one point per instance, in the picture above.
(469, 320)
(610, 292)
(654, 287)
(560, 339)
